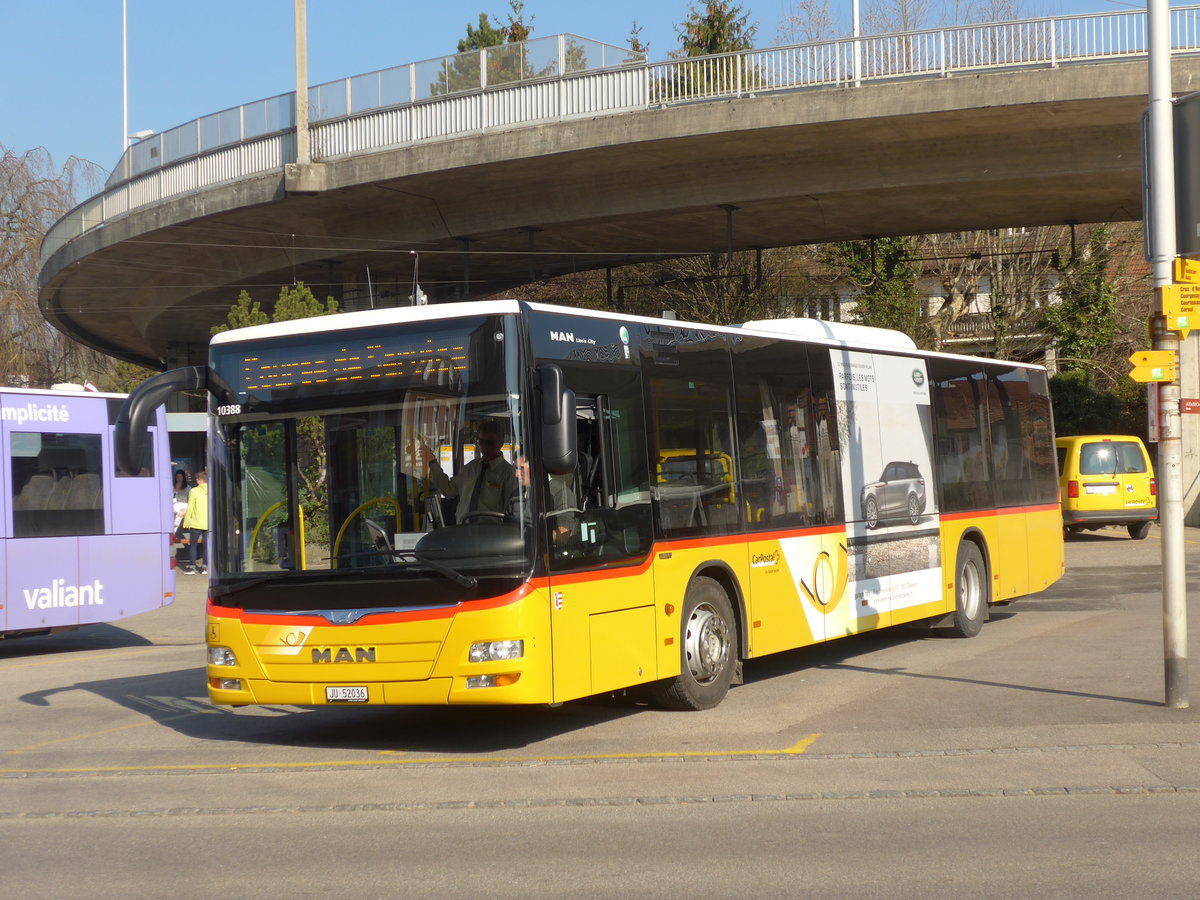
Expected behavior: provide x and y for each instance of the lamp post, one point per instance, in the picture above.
(125, 76)
(856, 32)
(1163, 248)
(303, 153)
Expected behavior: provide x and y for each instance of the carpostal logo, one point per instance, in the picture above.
(763, 560)
(60, 594)
(36, 412)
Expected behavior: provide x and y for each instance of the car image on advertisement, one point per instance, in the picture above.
(899, 493)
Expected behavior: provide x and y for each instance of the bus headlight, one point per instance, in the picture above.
(221, 656)
(492, 651)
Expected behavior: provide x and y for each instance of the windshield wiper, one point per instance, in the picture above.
(466, 581)
(253, 582)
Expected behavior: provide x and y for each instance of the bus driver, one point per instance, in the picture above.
(485, 484)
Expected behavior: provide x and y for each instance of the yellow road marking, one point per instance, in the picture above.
(795, 750)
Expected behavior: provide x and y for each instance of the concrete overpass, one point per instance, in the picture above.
(672, 162)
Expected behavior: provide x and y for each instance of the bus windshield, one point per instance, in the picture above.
(358, 456)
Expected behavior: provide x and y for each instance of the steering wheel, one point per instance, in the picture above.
(484, 514)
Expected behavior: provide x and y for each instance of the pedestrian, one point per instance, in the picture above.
(179, 498)
(195, 523)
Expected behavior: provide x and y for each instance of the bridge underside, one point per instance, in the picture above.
(492, 210)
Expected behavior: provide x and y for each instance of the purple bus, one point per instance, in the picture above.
(82, 543)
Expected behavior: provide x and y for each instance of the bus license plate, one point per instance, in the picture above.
(346, 694)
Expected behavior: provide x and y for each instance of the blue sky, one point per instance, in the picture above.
(61, 61)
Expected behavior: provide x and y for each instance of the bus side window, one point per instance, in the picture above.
(56, 484)
(790, 459)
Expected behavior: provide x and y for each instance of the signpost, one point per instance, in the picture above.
(1153, 365)
(1181, 303)
(1164, 199)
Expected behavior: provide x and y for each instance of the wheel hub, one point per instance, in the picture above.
(707, 643)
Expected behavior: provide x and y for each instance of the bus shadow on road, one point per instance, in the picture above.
(176, 700)
(844, 654)
(87, 637)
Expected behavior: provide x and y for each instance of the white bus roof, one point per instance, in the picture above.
(817, 330)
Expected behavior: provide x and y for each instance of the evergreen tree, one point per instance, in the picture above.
(486, 35)
(1079, 408)
(720, 27)
(462, 73)
(296, 302)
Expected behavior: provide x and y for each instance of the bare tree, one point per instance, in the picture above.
(33, 195)
(806, 21)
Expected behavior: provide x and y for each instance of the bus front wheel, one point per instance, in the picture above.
(708, 650)
(972, 590)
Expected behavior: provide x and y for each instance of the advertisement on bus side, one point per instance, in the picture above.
(892, 520)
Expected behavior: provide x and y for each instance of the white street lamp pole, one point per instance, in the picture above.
(125, 76)
(856, 32)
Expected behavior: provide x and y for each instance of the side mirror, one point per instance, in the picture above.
(130, 438)
(557, 421)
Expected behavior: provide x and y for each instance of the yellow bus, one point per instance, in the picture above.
(676, 498)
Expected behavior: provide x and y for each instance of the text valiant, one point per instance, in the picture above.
(62, 594)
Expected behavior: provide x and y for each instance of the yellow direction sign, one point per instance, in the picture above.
(1153, 365)
(1180, 303)
(1187, 270)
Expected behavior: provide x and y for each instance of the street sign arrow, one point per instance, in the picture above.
(1187, 270)
(1152, 358)
(1153, 366)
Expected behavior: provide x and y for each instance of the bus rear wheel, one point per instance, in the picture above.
(972, 591)
(708, 650)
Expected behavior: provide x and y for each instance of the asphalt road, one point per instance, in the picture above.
(1035, 759)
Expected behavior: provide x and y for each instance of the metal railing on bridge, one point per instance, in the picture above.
(565, 76)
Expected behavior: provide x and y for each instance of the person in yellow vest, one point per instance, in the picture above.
(195, 523)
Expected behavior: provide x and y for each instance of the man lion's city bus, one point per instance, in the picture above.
(697, 496)
(82, 542)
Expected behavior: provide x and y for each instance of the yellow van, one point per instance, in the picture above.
(1106, 479)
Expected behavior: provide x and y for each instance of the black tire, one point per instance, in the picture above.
(914, 509)
(871, 511)
(972, 591)
(708, 650)
(1138, 530)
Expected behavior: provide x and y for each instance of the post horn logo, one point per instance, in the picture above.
(829, 580)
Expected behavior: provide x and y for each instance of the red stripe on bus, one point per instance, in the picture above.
(993, 513)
